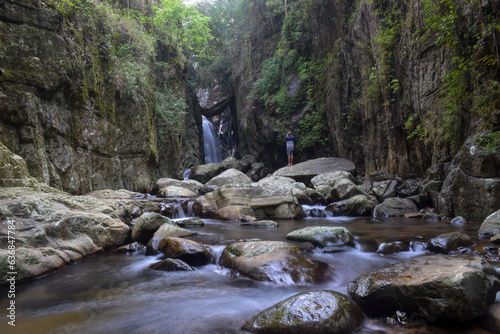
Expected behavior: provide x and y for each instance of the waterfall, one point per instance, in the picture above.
(210, 142)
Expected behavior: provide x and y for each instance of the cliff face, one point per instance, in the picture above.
(77, 97)
(388, 84)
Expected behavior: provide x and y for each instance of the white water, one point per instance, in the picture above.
(210, 142)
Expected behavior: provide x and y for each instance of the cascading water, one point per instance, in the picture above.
(210, 143)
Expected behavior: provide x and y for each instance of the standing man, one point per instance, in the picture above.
(289, 147)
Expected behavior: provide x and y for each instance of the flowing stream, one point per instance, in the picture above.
(118, 293)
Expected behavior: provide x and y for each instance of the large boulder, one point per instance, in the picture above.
(436, 287)
(395, 207)
(204, 173)
(53, 228)
(359, 205)
(189, 251)
(323, 236)
(274, 261)
(314, 312)
(146, 226)
(166, 230)
(173, 191)
(191, 185)
(490, 226)
(263, 202)
(230, 176)
(305, 171)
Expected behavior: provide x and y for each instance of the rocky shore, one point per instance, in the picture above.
(53, 229)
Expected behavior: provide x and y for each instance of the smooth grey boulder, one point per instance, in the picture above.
(313, 312)
(230, 176)
(323, 236)
(435, 287)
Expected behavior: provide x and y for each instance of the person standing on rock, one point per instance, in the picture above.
(289, 147)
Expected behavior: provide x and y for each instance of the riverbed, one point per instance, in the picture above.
(118, 293)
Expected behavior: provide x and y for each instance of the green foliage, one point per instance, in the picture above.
(313, 128)
(171, 109)
(182, 26)
(414, 129)
(491, 142)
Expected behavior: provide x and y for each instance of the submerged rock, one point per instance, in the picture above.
(388, 248)
(260, 223)
(171, 265)
(132, 248)
(449, 242)
(191, 252)
(435, 287)
(323, 236)
(314, 312)
(274, 261)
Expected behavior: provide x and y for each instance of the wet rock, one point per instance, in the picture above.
(274, 261)
(490, 226)
(261, 223)
(230, 176)
(305, 171)
(191, 222)
(449, 242)
(357, 206)
(388, 248)
(171, 265)
(323, 236)
(191, 252)
(204, 173)
(314, 312)
(173, 191)
(132, 248)
(435, 287)
(146, 226)
(458, 220)
(394, 207)
(165, 230)
(315, 212)
(495, 239)
(491, 319)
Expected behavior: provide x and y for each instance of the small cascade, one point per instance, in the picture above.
(210, 142)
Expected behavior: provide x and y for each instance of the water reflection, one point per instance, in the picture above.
(117, 293)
